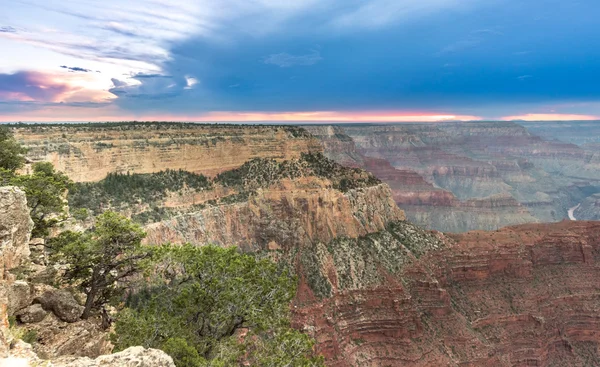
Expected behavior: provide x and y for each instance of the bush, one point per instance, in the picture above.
(201, 298)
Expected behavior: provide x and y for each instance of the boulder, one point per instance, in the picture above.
(32, 314)
(19, 296)
(61, 303)
(56, 338)
(22, 355)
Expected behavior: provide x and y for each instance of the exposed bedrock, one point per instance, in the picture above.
(89, 152)
(521, 296)
(293, 212)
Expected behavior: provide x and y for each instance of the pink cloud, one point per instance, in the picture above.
(44, 87)
(325, 116)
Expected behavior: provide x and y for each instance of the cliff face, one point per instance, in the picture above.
(89, 152)
(15, 229)
(291, 213)
(520, 296)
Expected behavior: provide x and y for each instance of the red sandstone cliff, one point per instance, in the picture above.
(521, 296)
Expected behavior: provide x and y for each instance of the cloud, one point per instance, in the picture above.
(551, 117)
(379, 13)
(522, 78)
(7, 29)
(190, 82)
(285, 60)
(75, 69)
(31, 86)
(460, 46)
(150, 86)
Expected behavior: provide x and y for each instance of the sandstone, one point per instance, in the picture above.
(523, 295)
(57, 338)
(291, 213)
(61, 303)
(92, 151)
(32, 314)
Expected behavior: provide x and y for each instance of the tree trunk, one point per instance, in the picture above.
(89, 303)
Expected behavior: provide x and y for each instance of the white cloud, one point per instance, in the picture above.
(378, 13)
(190, 82)
(285, 60)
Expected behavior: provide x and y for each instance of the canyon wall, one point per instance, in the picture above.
(89, 152)
(288, 214)
(521, 296)
(463, 176)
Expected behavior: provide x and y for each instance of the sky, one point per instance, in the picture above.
(304, 60)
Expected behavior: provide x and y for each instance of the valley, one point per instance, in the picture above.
(456, 177)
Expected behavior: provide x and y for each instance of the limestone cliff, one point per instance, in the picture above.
(88, 152)
(290, 213)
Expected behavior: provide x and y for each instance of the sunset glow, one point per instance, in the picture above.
(551, 117)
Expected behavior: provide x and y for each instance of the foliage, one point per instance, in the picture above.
(200, 301)
(11, 152)
(261, 172)
(117, 188)
(100, 260)
(45, 189)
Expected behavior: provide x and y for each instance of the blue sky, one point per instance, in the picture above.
(339, 60)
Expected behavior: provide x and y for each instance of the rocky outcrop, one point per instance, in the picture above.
(524, 295)
(88, 152)
(131, 357)
(290, 213)
(23, 356)
(61, 303)
(15, 229)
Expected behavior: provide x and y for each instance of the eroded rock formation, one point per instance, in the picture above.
(521, 296)
(89, 152)
(463, 176)
(290, 213)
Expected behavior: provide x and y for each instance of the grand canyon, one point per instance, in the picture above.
(413, 244)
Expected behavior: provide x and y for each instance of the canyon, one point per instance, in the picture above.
(456, 177)
(375, 287)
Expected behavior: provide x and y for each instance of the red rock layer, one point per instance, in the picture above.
(523, 296)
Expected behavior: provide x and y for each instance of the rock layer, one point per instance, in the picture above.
(521, 296)
(291, 213)
(463, 176)
(89, 152)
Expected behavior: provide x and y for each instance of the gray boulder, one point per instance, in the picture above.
(61, 303)
(32, 314)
